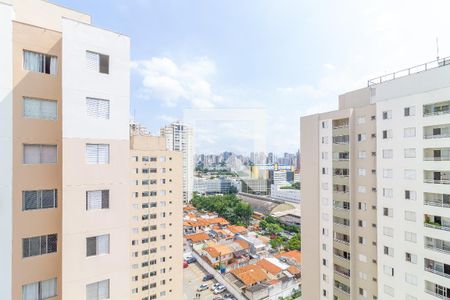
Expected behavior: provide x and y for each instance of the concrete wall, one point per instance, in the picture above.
(6, 148)
(309, 147)
(78, 177)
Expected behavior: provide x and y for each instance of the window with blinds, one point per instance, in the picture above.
(45, 289)
(39, 199)
(98, 290)
(97, 62)
(39, 154)
(39, 245)
(97, 199)
(40, 109)
(97, 154)
(97, 108)
(39, 62)
(97, 245)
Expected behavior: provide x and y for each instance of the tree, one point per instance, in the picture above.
(294, 243)
(276, 242)
(274, 228)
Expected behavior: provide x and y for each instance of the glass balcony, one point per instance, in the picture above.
(341, 221)
(440, 200)
(437, 222)
(341, 139)
(437, 245)
(436, 267)
(435, 109)
(436, 132)
(341, 205)
(436, 154)
(437, 290)
(341, 156)
(341, 254)
(342, 123)
(342, 271)
(343, 287)
(436, 177)
(341, 238)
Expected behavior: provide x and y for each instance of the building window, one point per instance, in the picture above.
(39, 154)
(40, 109)
(362, 154)
(410, 216)
(388, 212)
(388, 193)
(387, 134)
(410, 174)
(410, 195)
(39, 199)
(387, 173)
(361, 120)
(410, 237)
(388, 270)
(97, 62)
(362, 172)
(39, 245)
(40, 290)
(410, 152)
(39, 62)
(97, 199)
(387, 115)
(97, 108)
(411, 279)
(409, 257)
(389, 290)
(388, 153)
(361, 137)
(97, 154)
(409, 132)
(97, 245)
(98, 290)
(389, 251)
(409, 111)
(388, 231)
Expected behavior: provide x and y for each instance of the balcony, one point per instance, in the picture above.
(437, 245)
(344, 205)
(437, 222)
(437, 290)
(436, 132)
(439, 200)
(342, 271)
(342, 123)
(436, 177)
(341, 238)
(436, 109)
(436, 154)
(437, 268)
(341, 139)
(342, 287)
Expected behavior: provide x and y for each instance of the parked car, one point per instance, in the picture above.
(191, 260)
(208, 277)
(185, 264)
(218, 298)
(227, 296)
(220, 289)
(202, 287)
(215, 285)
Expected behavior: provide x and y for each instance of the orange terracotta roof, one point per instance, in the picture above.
(250, 274)
(236, 229)
(293, 270)
(269, 267)
(188, 208)
(294, 254)
(212, 252)
(219, 220)
(273, 281)
(243, 244)
(197, 237)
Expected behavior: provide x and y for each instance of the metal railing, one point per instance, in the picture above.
(438, 203)
(436, 181)
(413, 70)
(437, 272)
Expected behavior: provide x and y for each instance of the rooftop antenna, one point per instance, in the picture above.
(437, 48)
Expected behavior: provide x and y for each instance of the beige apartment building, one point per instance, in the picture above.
(156, 217)
(339, 201)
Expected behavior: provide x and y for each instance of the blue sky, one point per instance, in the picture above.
(287, 58)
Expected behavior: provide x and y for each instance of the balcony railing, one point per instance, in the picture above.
(437, 249)
(346, 274)
(436, 226)
(436, 113)
(342, 241)
(437, 181)
(436, 136)
(433, 293)
(438, 203)
(436, 158)
(341, 257)
(437, 272)
(406, 72)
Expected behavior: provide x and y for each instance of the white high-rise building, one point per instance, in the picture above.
(179, 137)
(376, 191)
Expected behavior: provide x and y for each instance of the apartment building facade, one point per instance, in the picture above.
(180, 137)
(339, 203)
(65, 155)
(399, 179)
(156, 216)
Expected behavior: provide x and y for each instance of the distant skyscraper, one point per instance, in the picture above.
(179, 137)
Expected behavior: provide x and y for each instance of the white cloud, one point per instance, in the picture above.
(164, 80)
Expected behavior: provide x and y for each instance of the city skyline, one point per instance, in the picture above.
(291, 59)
